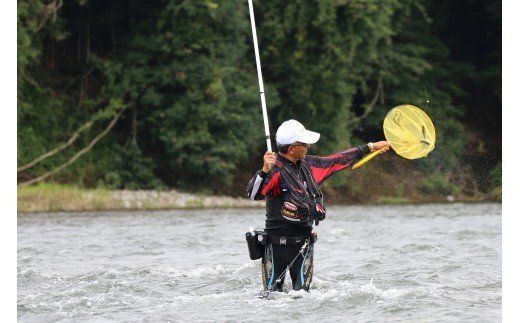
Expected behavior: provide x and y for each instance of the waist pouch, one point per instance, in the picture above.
(256, 241)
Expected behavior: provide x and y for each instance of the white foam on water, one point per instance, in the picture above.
(361, 273)
(325, 290)
(209, 272)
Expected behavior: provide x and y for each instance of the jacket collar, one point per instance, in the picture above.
(289, 162)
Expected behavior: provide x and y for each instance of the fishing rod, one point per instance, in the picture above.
(260, 79)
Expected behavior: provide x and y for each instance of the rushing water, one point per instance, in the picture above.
(372, 263)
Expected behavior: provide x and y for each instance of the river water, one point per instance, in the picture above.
(372, 263)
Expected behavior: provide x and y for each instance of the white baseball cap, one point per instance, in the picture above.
(292, 131)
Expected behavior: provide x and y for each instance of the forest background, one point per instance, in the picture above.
(158, 95)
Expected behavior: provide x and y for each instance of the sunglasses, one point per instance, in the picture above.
(301, 144)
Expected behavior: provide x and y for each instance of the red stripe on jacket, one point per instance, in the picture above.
(272, 186)
(320, 174)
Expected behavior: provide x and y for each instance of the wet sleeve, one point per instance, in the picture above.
(324, 167)
(262, 184)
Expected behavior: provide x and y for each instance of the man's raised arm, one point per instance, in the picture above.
(263, 182)
(324, 167)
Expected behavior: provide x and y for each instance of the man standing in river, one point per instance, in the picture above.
(290, 182)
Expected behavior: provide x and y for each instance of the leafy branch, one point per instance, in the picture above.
(377, 96)
(77, 155)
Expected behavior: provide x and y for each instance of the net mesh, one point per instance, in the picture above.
(409, 131)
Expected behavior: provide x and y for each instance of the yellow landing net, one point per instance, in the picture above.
(410, 132)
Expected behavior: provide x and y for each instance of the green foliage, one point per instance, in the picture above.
(184, 72)
(196, 105)
(392, 200)
(27, 49)
(132, 170)
(317, 55)
(439, 184)
(496, 175)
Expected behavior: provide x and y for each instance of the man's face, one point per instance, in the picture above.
(298, 150)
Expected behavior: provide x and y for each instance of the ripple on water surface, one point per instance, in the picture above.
(434, 262)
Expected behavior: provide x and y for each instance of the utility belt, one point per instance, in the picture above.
(291, 241)
(257, 240)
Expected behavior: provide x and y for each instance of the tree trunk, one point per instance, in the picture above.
(134, 124)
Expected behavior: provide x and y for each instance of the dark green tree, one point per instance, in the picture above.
(181, 74)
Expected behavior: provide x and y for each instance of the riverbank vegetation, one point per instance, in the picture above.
(64, 198)
(132, 95)
(70, 198)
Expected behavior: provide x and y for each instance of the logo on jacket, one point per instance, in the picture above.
(289, 206)
(289, 212)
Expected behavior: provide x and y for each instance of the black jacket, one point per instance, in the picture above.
(292, 190)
